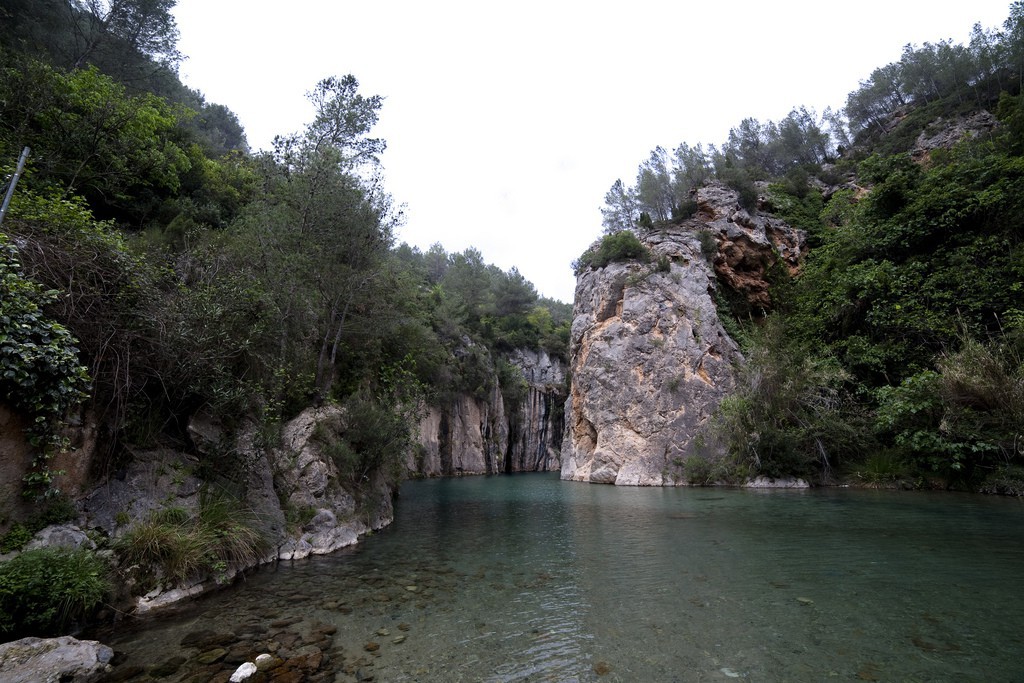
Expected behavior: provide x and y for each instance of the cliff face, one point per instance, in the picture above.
(649, 358)
(473, 435)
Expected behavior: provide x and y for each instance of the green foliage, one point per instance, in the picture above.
(16, 538)
(708, 244)
(882, 468)
(514, 388)
(371, 437)
(699, 470)
(92, 138)
(43, 592)
(790, 414)
(176, 546)
(55, 508)
(618, 246)
(40, 373)
(1007, 480)
(964, 419)
(798, 205)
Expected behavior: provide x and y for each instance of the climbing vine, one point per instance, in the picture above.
(39, 370)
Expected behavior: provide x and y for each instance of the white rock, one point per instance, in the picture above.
(243, 673)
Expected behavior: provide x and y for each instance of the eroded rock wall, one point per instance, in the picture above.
(474, 435)
(468, 436)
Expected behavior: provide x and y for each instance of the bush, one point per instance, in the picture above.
(55, 509)
(1007, 481)
(618, 246)
(790, 414)
(44, 592)
(964, 419)
(373, 437)
(708, 244)
(16, 538)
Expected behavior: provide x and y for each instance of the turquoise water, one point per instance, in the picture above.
(528, 578)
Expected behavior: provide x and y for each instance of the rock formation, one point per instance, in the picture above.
(649, 358)
(473, 435)
(53, 660)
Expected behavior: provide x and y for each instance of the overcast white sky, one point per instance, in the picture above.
(507, 122)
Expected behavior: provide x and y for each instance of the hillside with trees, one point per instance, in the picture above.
(153, 268)
(895, 355)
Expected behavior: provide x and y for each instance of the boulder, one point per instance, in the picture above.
(53, 660)
(61, 536)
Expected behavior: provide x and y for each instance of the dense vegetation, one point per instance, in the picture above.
(152, 268)
(896, 353)
(150, 258)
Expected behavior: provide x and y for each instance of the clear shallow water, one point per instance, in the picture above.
(528, 578)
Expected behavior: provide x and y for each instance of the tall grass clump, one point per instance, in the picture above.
(176, 546)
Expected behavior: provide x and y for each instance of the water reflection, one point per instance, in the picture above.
(527, 578)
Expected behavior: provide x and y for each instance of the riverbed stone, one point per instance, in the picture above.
(208, 640)
(168, 667)
(243, 673)
(211, 656)
(266, 662)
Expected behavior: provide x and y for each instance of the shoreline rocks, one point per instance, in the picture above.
(53, 660)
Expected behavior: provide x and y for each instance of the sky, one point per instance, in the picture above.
(507, 122)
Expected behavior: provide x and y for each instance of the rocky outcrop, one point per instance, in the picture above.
(295, 479)
(748, 244)
(474, 435)
(307, 480)
(945, 133)
(54, 660)
(649, 358)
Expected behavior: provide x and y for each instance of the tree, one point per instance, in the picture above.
(92, 138)
(620, 209)
(691, 168)
(654, 190)
(108, 30)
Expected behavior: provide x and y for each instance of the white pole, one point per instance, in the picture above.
(14, 181)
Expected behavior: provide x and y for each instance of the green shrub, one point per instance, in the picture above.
(43, 592)
(708, 244)
(54, 509)
(618, 246)
(790, 414)
(697, 470)
(882, 467)
(373, 437)
(16, 538)
(1008, 480)
(964, 419)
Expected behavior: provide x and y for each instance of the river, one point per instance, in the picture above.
(529, 578)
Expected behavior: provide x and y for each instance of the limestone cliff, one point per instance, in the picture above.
(649, 358)
(474, 435)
